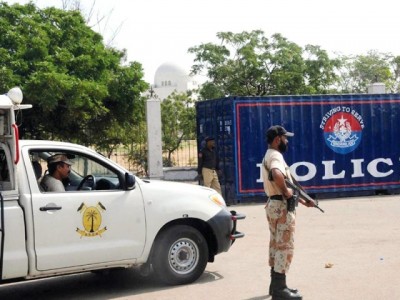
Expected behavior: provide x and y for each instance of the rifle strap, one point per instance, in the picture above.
(288, 175)
(297, 183)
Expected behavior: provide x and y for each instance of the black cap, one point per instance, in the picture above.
(275, 131)
(209, 138)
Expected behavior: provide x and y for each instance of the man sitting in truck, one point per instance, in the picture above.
(59, 167)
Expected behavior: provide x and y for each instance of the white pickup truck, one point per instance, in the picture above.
(106, 218)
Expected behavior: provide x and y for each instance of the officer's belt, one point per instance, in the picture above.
(276, 197)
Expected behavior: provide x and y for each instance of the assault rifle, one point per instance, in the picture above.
(302, 194)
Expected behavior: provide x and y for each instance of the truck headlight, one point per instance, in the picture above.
(217, 199)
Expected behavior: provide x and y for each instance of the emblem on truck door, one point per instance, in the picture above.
(91, 220)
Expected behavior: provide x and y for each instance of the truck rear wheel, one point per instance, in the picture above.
(180, 255)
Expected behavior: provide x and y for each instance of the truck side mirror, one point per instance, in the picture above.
(129, 181)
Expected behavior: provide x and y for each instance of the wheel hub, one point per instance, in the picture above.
(183, 256)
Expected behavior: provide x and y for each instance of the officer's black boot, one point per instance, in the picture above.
(294, 291)
(279, 289)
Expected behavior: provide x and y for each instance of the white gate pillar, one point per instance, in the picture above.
(154, 141)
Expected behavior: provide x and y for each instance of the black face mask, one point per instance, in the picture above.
(282, 147)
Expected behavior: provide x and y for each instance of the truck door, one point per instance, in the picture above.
(96, 224)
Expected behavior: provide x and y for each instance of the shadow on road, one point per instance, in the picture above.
(116, 283)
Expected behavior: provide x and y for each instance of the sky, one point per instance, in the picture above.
(157, 31)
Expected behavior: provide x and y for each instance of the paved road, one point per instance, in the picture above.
(360, 237)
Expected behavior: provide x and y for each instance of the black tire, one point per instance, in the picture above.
(180, 255)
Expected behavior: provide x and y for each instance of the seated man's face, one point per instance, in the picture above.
(64, 170)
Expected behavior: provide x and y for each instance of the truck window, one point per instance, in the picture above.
(5, 183)
(80, 172)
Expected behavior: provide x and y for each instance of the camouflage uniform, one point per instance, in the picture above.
(281, 222)
(281, 227)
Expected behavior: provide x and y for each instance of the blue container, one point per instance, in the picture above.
(342, 143)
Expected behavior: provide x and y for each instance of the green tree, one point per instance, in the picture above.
(321, 71)
(178, 117)
(79, 88)
(250, 64)
(395, 66)
(359, 71)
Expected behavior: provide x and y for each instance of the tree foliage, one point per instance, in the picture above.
(251, 64)
(79, 88)
(321, 70)
(359, 71)
(178, 118)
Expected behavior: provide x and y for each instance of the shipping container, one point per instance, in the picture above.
(343, 144)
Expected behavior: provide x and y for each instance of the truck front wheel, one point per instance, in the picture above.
(180, 255)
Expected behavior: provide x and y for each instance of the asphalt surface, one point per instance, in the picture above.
(352, 251)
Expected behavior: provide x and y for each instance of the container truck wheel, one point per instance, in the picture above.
(180, 255)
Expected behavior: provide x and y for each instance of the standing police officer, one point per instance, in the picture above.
(280, 211)
(208, 165)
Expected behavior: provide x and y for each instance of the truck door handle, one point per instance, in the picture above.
(46, 208)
